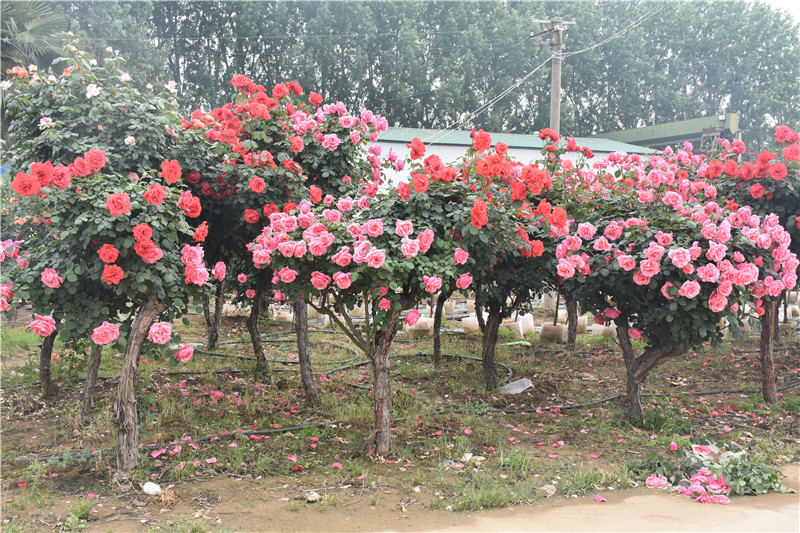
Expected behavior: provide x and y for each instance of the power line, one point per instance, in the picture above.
(621, 32)
(485, 106)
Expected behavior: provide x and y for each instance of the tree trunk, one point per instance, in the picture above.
(489, 346)
(437, 328)
(87, 398)
(767, 355)
(637, 368)
(381, 390)
(125, 413)
(45, 373)
(262, 366)
(306, 372)
(214, 322)
(572, 320)
(558, 304)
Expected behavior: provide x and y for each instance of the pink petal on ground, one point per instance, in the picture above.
(292, 458)
(92, 495)
(600, 499)
(468, 431)
(594, 456)
(337, 465)
(553, 455)
(232, 445)
(211, 461)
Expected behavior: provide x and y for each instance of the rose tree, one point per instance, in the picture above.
(658, 256)
(378, 254)
(117, 247)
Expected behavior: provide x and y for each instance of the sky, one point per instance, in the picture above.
(792, 6)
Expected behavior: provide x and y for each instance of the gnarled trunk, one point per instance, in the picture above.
(637, 368)
(306, 372)
(87, 397)
(214, 321)
(572, 320)
(262, 366)
(766, 343)
(381, 389)
(489, 348)
(45, 372)
(125, 413)
(437, 328)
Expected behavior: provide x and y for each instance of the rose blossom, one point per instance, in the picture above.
(51, 278)
(319, 280)
(432, 283)
(586, 230)
(160, 332)
(412, 317)
(184, 353)
(464, 281)
(409, 247)
(680, 257)
(343, 257)
(287, 275)
(460, 256)
(425, 240)
(375, 258)
(374, 227)
(342, 280)
(403, 228)
(118, 204)
(43, 326)
(626, 262)
(105, 333)
(384, 304)
(689, 289)
(219, 271)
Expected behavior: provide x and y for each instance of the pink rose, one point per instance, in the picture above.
(195, 274)
(345, 204)
(708, 273)
(105, 333)
(319, 280)
(586, 230)
(219, 271)
(611, 313)
(384, 304)
(613, 231)
(412, 317)
(664, 239)
(634, 333)
(343, 257)
(680, 257)
(342, 280)
(51, 278)
(43, 325)
(657, 482)
(287, 275)
(332, 215)
(374, 227)
(354, 230)
(425, 240)
(601, 245)
(250, 293)
(626, 262)
(242, 278)
(403, 228)
(432, 283)
(410, 247)
(184, 353)
(654, 252)
(565, 269)
(160, 332)
(318, 247)
(689, 289)
(717, 302)
(464, 281)
(191, 255)
(640, 279)
(375, 258)
(649, 268)
(331, 142)
(460, 256)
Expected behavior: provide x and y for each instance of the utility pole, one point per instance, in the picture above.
(559, 25)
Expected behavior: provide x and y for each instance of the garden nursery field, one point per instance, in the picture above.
(233, 454)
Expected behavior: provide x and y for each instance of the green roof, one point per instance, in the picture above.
(513, 140)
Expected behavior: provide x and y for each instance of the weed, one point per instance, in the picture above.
(327, 501)
(579, 481)
(517, 463)
(373, 500)
(294, 507)
(484, 492)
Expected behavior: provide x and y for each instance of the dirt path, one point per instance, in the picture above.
(254, 506)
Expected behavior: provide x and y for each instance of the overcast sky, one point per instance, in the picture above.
(792, 6)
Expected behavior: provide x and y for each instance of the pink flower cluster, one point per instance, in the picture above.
(707, 487)
(194, 269)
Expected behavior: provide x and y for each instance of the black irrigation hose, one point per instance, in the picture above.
(721, 391)
(207, 438)
(531, 410)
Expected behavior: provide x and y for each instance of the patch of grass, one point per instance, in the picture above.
(579, 481)
(373, 500)
(328, 501)
(483, 491)
(516, 463)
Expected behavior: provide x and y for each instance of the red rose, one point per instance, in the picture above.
(61, 176)
(747, 172)
(420, 182)
(297, 143)
(170, 171)
(289, 206)
(112, 274)
(518, 191)
(757, 191)
(80, 167)
(201, 232)
(559, 217)
(315, 98)
(155, 194)
(142, 232)
(404, 190)
(777, 171)
(715, 168)
(257, 184)
(193, 176)
(791, 152)
(482, 141)
(43, 172)
(96, 159)
(731, 168)
(25, 184)
(417, 148)
(269, 209)
(108, 253)
(537, 248)
(279, 91)
(479, 217)
(315, 194)
(193, 207)
(118, 203)
(251, 216)
(144, 248)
